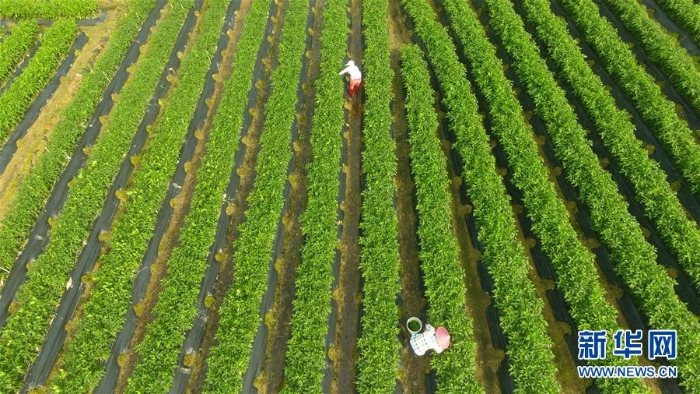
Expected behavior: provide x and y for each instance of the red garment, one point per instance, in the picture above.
(354, 86)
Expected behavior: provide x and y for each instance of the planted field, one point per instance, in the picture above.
(192, 201)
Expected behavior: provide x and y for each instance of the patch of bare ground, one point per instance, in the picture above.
(413, 368)
(279, 318)
(158, 268)
(236, 210)
(33, 144)
(343, 354)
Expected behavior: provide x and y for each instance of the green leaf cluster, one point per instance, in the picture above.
(41, 292)
(36, 188)
(104, 312)
(634, 257)
(529, 346)
(379, 251)
(305, 359)
(17, 98)
(657, 111)
(618, 134)
(577, 275)
(686, 13)
(15, 46)
(439, 251)
(240, 312)
(48, 9)
(661, 47)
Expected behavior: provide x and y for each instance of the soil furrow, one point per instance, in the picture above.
(347, 294)
(414, 369)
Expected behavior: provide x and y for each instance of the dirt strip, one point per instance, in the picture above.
(344, 352)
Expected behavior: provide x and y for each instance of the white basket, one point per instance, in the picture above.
(420, 323)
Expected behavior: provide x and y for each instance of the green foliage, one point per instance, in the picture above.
(176, 308)
(305, 358)
(17, 98)
(618, 133)
(379, 250)
(661, 47)
(529, 346)
(41, 292)
(577, 276)
(439, 251)
(36, 188)
(48, 9)
(635, 258)
(240, 312)
(105, 310)
(657, 112)
(686, 13)
(15, 46)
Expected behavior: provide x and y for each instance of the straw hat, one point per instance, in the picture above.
(443, 337)
(350, 63)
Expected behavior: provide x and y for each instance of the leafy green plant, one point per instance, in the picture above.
(658, 112)
(661, 48)
(529, 346)
(660, 202)
(240, 312)
(635, 259)
(36, 188)
(15, 46)
(17, 98)
(577, 275)
(439, 251)
(82, 364)
(48, 9)
(41, 292)
(686, 13)
(379, 250)
(305, 358)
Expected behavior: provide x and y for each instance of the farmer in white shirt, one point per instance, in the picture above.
(437, 340)
(355, 77)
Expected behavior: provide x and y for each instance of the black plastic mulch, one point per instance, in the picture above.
(10, 147)
(38, 238)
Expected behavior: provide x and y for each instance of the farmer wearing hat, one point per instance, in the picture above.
(355, 77)
(431, 338)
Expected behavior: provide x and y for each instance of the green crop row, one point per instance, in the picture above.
(306, 349)
(15, 47)
(47, 276)
(686, 13)
(17, 98)
(105, 310)
(529, 346)
(48, 9)
(618, 133)
(577, 276)
(379, 250)
(439, 252)
(662, 48)
(635, 258)
(658, 112)
(36, 188)
(240, 312)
